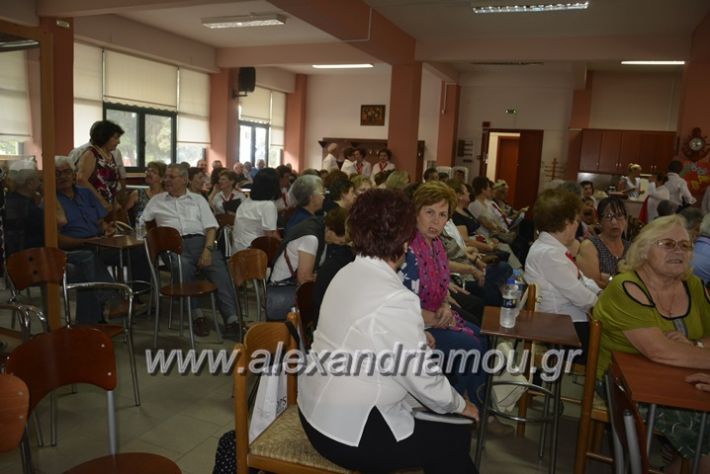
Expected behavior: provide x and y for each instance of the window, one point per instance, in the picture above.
(262, 116)
(14, 102)
(149, 134)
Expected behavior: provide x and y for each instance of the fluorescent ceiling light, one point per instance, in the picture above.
(342, 66)
(501, 6)
(242, 21)
(653, 63)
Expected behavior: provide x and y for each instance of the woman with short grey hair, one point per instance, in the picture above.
(307, 194)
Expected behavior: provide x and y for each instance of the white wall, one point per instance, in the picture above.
(429, 113)
(541, 95)
(635, 100)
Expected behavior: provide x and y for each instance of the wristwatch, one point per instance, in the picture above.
(700, 344)
(209, 247)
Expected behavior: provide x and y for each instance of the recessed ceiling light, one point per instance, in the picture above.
(653, 63)
(501, 6)
(342, 66)
(243, 21)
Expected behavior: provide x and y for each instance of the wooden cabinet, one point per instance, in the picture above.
(611, 151)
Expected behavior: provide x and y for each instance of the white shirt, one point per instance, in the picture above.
(655, 196)
(381, 313)
(283, 202)
(561, 287)
(366, 168)
(329, 163)
(348, 167)
(632, 188)
(478, 209)
(678, 189)
(252, 220)
(307, 244)
(379, 167)
(189, 213)
(218, 200)
(452, 231)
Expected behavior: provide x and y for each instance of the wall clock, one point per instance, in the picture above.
(696, 145)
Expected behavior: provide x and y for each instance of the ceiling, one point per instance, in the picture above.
(446, 31)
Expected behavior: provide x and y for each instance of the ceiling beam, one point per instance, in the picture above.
(356, 23)
(321, 53)
(76, 8)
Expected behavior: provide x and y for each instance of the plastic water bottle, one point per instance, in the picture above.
(519, 282)
(507, 309)
(140, 230)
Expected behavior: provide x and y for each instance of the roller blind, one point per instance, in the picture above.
(141, 82)
(193, 107)
(256, 107)
(88, 73)
(14, 98)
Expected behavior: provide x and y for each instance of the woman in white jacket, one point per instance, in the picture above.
(361, 419)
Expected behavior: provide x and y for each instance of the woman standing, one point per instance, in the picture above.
(631, 183)
(361, 421)
(384, 162)
(97, 170)
(599, 255)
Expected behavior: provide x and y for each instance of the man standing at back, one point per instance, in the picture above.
(677, 186)
(191, 216)
(330, 162)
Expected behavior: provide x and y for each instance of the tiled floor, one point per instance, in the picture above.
(182, 418)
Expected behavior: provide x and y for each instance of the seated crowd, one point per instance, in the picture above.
(399, 262)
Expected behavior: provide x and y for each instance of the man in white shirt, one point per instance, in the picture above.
(346, 165)
(330, 162)
(190, 214)
(677, 186)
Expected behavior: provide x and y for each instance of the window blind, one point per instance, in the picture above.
(14, 98)
(141, 82)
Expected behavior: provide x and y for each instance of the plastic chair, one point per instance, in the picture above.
(306, 311)
(14, 406)
(628, 429)
(270, 245)
(283, 446)
(167, 240)
(79, 355)
(250, 265)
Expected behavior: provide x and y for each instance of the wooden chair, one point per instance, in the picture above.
(306, 311)
(270, 245)
(283, 447)
(166, 241)
(39, 266)
(79, 355)
(250, 265)
(14, 406)
(628, 429)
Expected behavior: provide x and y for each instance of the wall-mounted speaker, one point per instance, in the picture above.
(247, 80)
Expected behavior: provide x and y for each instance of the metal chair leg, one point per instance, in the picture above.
(134, 373)
(214, 317)
(52, 419)
(38, 429)
(157, 321)
(189, 322)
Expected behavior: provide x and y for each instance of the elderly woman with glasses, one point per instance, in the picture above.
(658, 308)
(599, 256)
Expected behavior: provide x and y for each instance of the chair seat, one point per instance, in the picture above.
(190, 288)
(144, 463)
(285, 440)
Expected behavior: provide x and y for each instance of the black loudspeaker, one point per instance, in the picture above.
(247, 79)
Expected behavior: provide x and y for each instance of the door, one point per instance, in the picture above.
(528, 173)
(507, 163)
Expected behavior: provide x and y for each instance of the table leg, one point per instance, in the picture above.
(650, 420)
(120, 266)
(698, 447)
(556, 422)
(484, 416)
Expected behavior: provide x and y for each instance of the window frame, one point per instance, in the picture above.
(142, 112)
(254, 126)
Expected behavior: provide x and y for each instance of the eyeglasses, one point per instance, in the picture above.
(611, 216)
(670, 244)
(64, 172)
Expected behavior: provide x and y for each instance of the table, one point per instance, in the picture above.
(535, 326)
(642, 376)
(120, 243)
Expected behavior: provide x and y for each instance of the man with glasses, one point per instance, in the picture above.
(191, 216)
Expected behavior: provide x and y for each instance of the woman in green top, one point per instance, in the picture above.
(656, 307)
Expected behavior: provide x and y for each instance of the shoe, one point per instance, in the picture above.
(201, 327)
(496, 428)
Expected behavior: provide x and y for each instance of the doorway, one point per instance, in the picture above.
(516, 157)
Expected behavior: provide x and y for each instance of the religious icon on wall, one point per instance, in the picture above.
(372, 115)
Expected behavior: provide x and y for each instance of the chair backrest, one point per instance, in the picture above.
(14, 407)
(266, 337)
(248, 264)
(531, 302)
(225, 220)
(64, 356)
(270, 245)
(627, 425)
(162, 239)
(306, 310)
(36, 266)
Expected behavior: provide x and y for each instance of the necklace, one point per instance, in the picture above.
(667, 310)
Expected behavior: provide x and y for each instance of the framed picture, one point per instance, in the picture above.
(372, 115)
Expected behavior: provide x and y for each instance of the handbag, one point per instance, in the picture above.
(281, 296)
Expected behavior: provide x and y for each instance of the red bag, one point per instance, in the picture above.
(643, 213)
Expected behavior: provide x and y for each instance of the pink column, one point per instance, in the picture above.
(224, 126)
(405, 90)
(448, 124)
(294, 141)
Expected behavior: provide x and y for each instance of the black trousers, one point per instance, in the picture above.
(438, 448)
